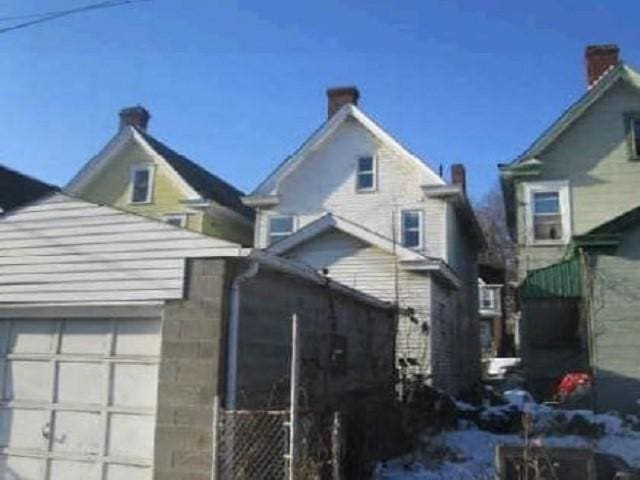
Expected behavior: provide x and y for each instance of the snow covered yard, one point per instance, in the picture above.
(467, 453)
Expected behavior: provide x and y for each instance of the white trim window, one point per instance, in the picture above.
(411, 228)
(141, 183)
(176, 219)
(548, 215)
(366, 180)
(280, 226)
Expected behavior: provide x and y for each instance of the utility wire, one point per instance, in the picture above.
(49, 16)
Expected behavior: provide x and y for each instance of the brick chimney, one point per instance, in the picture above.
(598, 60)
(339, 96)
(137, 116)
(459, 176)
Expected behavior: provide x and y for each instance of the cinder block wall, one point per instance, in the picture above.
(365, 332)
(189, 374)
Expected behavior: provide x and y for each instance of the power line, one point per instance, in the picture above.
(37, 18)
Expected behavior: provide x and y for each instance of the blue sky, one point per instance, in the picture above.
(238, 85)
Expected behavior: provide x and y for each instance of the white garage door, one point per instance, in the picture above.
(78, 398)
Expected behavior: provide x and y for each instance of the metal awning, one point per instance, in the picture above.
(561, 280)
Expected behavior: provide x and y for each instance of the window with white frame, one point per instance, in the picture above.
(487, 298)
(279, 227)
(141, 183)
(411, 228)
(366, 175)
(548, 213)
(176, 219)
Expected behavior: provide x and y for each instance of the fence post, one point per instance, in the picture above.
(215, 438)
(295, 372)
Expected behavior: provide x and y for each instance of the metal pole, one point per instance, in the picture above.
(295, 372)
(215, 439)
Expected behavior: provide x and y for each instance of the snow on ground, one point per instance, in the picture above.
(467, 453)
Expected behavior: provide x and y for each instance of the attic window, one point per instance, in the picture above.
(366, 175)
(141, 184)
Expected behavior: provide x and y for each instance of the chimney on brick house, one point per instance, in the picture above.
(339, 96)
(459, 176)
(598, 60)
(137, 116)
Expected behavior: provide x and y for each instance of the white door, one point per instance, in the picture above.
(78, 398)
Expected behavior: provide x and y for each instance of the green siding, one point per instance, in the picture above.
(593, 154)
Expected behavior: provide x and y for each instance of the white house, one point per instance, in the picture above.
(354, 202)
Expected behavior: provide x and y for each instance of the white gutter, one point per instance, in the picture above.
(234, 327)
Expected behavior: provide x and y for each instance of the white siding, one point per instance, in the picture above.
(64, 250)
(371, 270)
(325, 182)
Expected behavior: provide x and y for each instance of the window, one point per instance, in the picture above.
(141, 184)
(487, 298)
(635, 136)
(280, 227)
(176, 219)
(412, 228)
(548, 217)
(366, 177)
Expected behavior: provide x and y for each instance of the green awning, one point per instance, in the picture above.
(561, 280)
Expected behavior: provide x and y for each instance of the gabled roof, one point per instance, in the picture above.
(270, 184)
(196, 182)
(409, 259)
(17, 189)
(609, 79)
(208, 185)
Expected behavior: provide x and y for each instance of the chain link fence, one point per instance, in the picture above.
(252, 445)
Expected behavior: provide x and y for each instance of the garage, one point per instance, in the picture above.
(83, 295)
(78, 398)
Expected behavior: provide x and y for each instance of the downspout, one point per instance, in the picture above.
(234, 328)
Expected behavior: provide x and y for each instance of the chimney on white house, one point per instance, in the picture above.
(459, 176)
(599, 59)
(137, 116)
(337, 97)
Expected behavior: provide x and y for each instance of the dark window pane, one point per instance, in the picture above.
(140, 185)
(546, 203)
(411, 220)
(636, 136)
(411, 238)
(281, 225)
(365, 181)
(365, 164)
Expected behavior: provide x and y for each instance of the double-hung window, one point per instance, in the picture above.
(366, 174)
(549, 212)
(411, 228)
(279, 227)
(141, 184)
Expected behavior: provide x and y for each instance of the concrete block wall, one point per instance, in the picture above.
(267, 304)
(189, 374)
